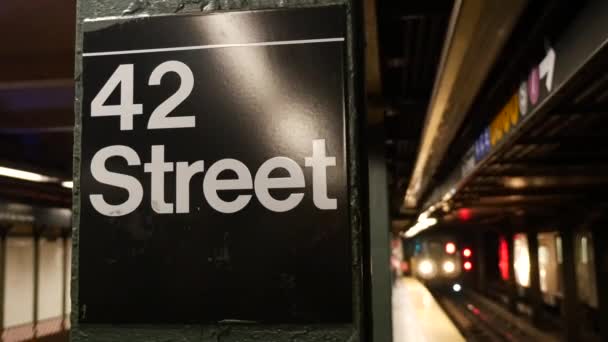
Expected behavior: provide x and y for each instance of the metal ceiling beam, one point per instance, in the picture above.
(532, 170)
(518, 200)
(562, 159)
(42, 121)
(587, 108)
(36, 106)
(36, 67)
(47, 194)
(476, 34)
(589, 191)
(37, 84)
(39, 94)
(540, 180)
(578, 141)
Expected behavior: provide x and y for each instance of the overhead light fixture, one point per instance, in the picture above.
(25, 175)
(448, 195)
(515, 182)
(465, 214)
(422, 224)
(67, 184)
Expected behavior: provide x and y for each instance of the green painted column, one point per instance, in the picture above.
(233, 332)
(380, 287)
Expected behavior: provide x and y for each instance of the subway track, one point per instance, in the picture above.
(479, 319)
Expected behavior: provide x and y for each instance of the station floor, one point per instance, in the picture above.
(417, 317)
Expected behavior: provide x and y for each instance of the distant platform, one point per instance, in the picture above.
(417, 317)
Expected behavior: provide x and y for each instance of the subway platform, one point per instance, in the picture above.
(418, 317)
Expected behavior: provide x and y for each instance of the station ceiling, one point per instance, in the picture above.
(410, 39)
(36, 106)
(37, 92)
(553, 165)
(36, 95)
(557, 164)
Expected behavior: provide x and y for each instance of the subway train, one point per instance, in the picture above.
(550, 266)
(439, 261)
(443, 260)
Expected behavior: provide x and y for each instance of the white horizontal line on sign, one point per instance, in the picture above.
(214, 46)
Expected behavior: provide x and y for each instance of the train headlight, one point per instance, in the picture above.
(426, 267)
(448, 266)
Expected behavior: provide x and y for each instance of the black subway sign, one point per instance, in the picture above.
(213, 169)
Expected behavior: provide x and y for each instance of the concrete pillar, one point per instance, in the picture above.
(93, 9)
(570, 306)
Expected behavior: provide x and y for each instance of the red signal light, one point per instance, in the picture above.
(468, 266)
(503, 258)
(450, 248)
(467, 252)
(465, 214)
